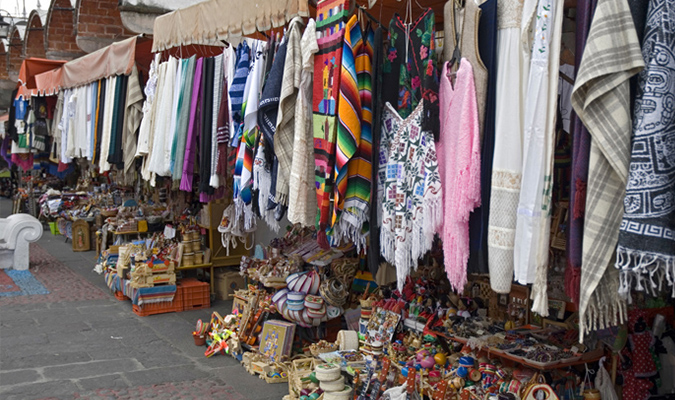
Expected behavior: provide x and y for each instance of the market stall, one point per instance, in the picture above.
(443, 225)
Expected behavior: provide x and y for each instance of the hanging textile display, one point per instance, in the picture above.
(507, 160)
(302, 197)
(327, 61)
(132, 120)
(410, 74)
(479, 219)
(581, 142)
(166, 102)
(193, 128)
(412, 209)
(459, 167)
(375, 182)
(225, 123)
(601, 100)
(218, 78)
(646, 249)
(352, 215)
(206, 192)
(285, 130)
(534, 208)
(267, 121)
(115, 155)
(180, 136)
(144, 140)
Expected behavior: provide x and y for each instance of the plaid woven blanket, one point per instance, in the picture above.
(601, 98)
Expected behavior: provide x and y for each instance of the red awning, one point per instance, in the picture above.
(31, 67)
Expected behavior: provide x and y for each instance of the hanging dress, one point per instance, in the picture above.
(507, 160)
(410, 74)
(458, 153)
(412, 209)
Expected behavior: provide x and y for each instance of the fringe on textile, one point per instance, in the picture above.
(605, 307)
(647, 270)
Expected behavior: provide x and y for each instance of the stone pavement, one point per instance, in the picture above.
(79, 342)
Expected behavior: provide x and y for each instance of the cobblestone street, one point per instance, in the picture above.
(79, 342)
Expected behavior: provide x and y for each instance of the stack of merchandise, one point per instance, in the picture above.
(332, 382)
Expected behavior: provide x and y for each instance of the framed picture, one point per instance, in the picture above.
(556, 309)
(276, 340)
(81, 236)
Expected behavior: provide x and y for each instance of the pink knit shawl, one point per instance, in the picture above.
(459, 165)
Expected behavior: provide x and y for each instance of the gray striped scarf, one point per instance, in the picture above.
(601, 98)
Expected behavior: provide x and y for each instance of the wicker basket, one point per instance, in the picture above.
(298, 375)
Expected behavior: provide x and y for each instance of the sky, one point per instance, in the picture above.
(15, 7)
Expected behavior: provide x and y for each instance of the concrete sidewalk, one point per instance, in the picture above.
(79, 342)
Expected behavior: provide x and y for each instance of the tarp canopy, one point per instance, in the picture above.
(30, 68)
(209, 22)
(115, 59)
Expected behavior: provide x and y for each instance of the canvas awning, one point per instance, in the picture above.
(30, 68)
(209, 22)
(115, 59)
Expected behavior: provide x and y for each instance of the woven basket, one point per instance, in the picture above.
(298, 375)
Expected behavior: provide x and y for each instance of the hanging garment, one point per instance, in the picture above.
(133, 106)
(508, 159)
(244, 184)
(268, 117)
(108, 118)
(64, 124)
(91, 120)
(581, 147)
(601, 100)
(285, 129)
(302, 197)
(348, 117)
(225, 122)
(175, 113)
(375, 193)
(180, 137)
(533, 225)
(458, 153)
(205, 131)
(191, 140)
(412, 210)
(55, 154)
(115, 156)
(144, 134)
(479, 219)
(646, 249)
(410, 74)
(353, 223)
(239, 81)
(100, 110)
(461, 22)
(217, 94)
(167, 100)
(103, 164)
(331, 17)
